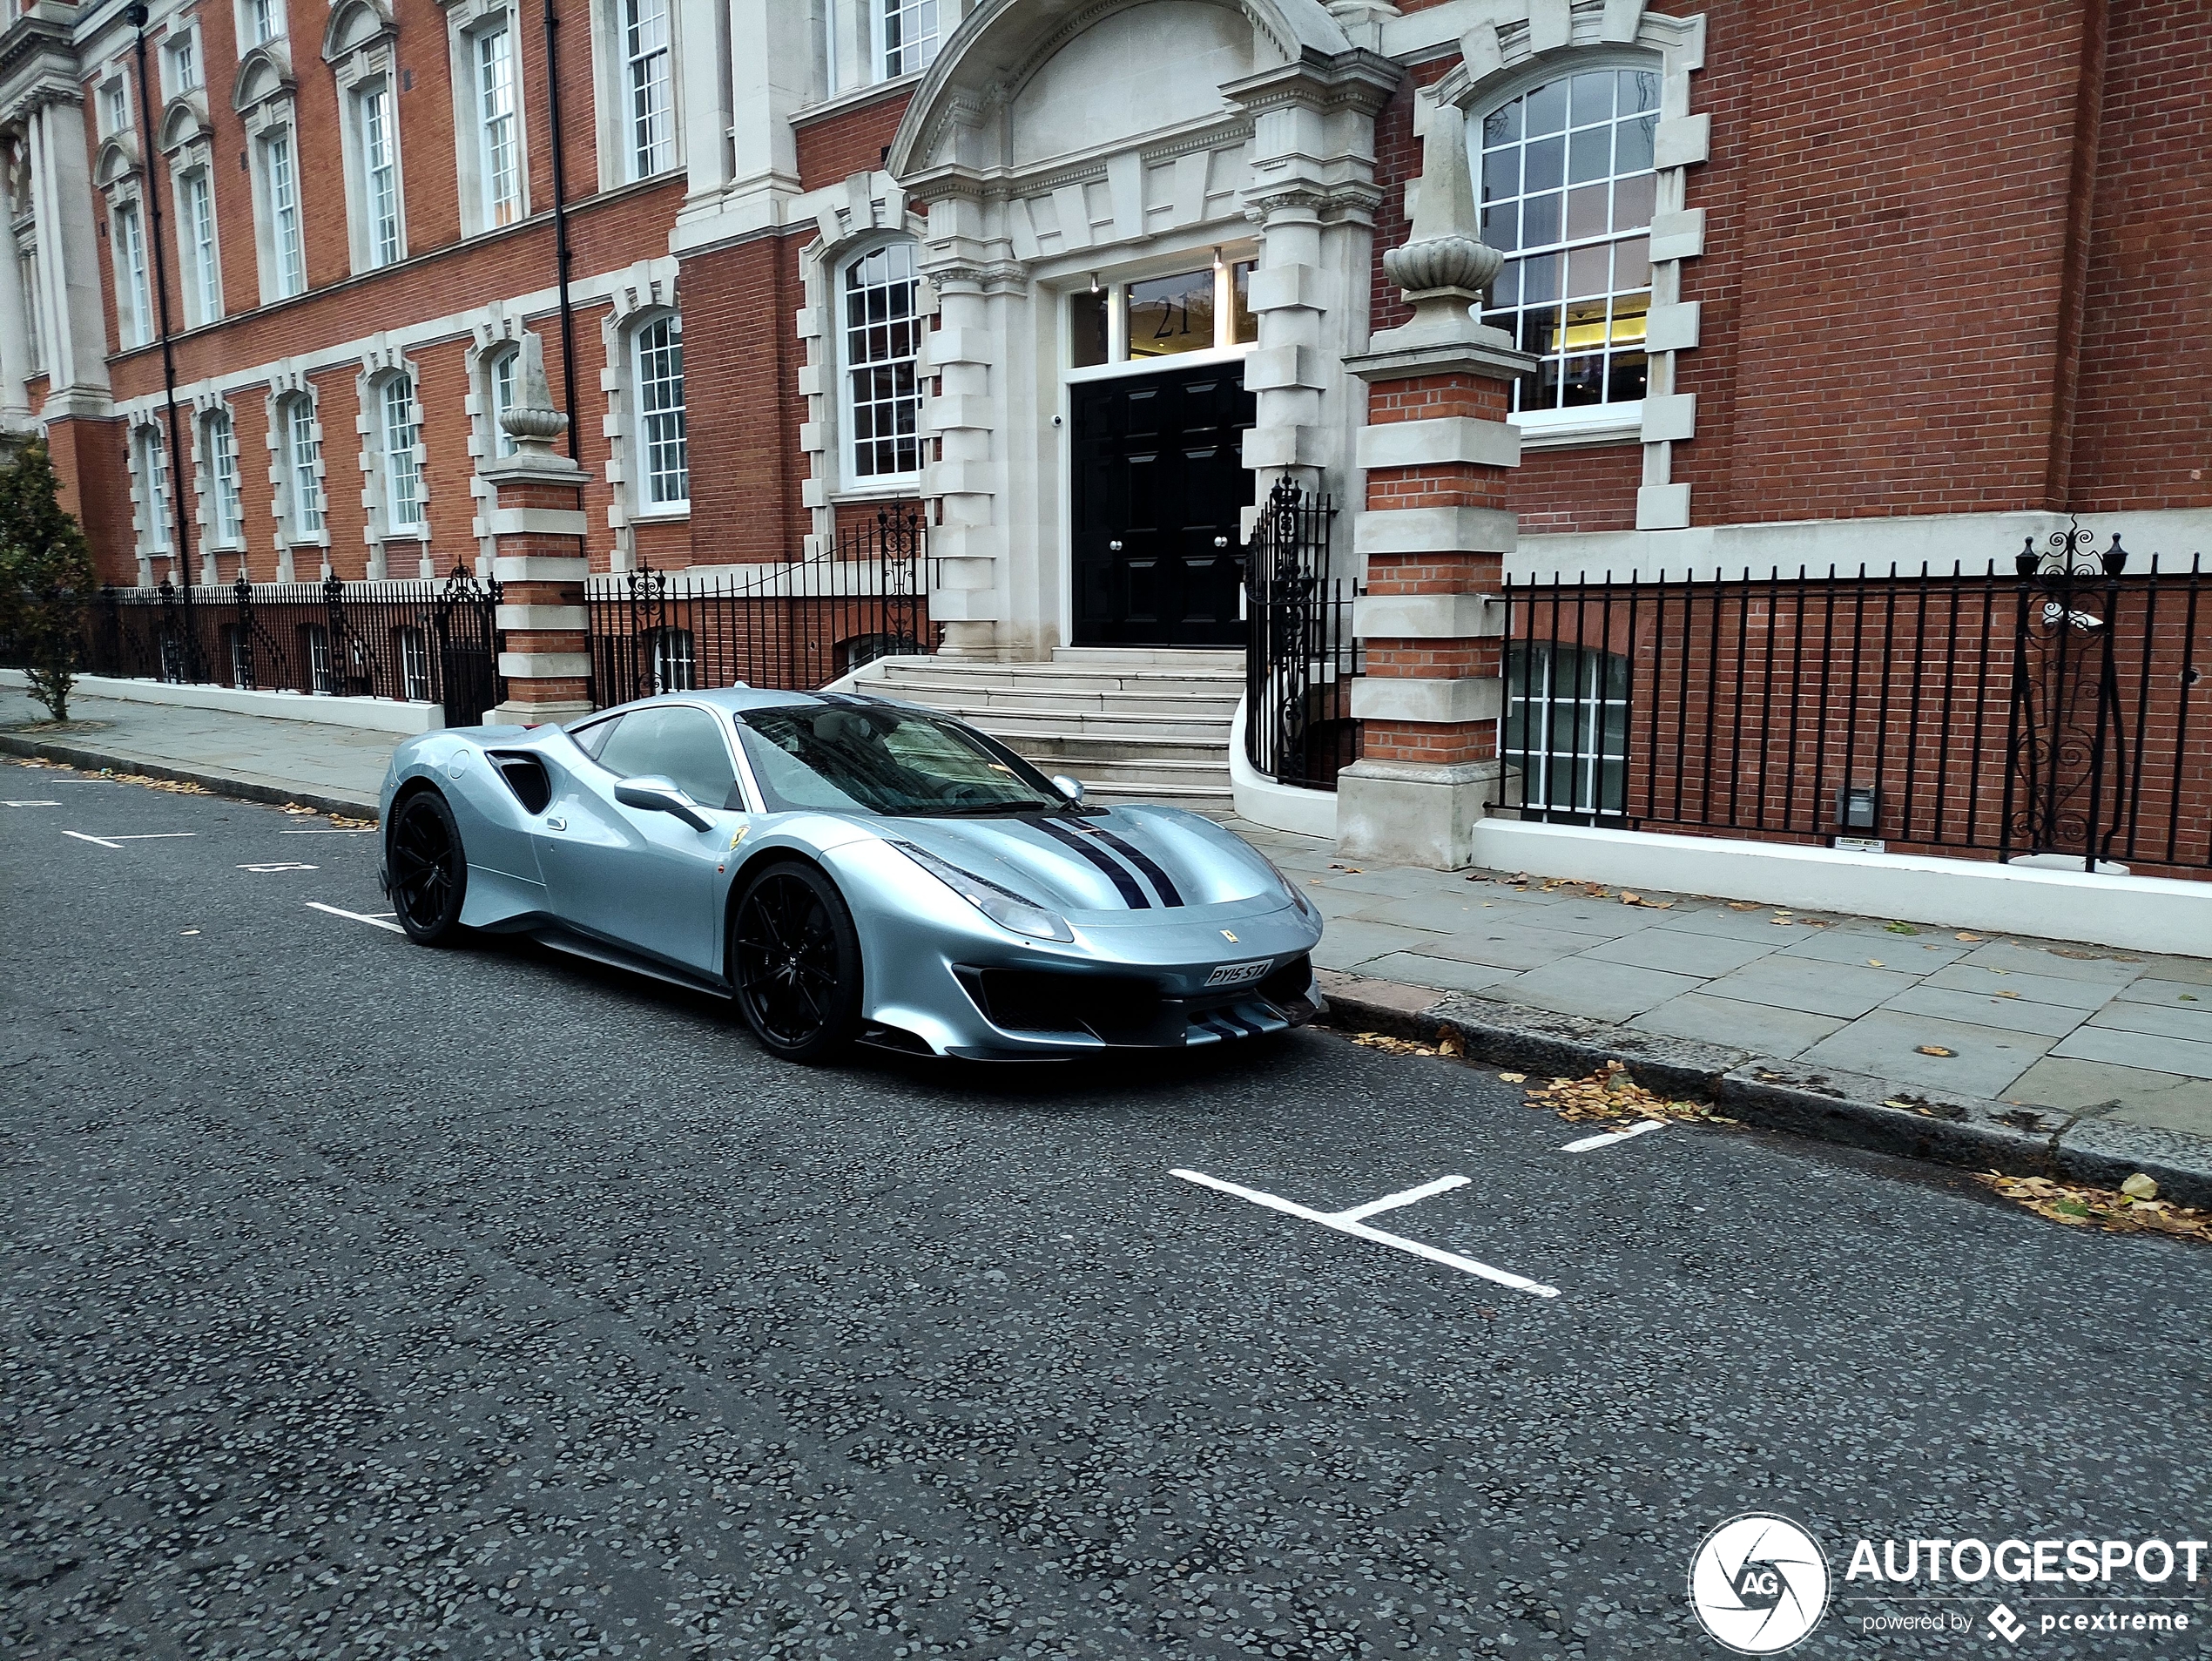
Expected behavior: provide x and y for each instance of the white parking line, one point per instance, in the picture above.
(280, 865)
(1347, 1222)
(29, 804)
(1611, 1137)
(118, 841)
(333, 830)
(356, 917)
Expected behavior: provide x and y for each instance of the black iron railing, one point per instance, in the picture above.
(2059, 709)
(1298, 666)
(424, 642)
(795, 626)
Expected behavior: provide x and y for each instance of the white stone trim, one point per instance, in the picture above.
(1442, 531)
(544, 618)
(1439, 442)
(286, 382)
(646, 291)
(1474, 697)
(380, 363)
(1509, 45)
(545, 666)
(203, 487)
(1427, 617)
(541, 568)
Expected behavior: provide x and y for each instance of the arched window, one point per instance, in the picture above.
(881, 344)
(663, 452)
(1568, 193)
(218, 447)
(402, 473)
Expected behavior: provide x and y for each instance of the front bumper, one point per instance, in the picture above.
(1068, 1011)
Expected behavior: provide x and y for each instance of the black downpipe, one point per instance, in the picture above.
(560, 251)
(179, 527)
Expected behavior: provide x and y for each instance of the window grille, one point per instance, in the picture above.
(909, 36)
(645, 51)
(282, 184)
(134, 315)
(1567, 729)
(882, 341)
(305, 451)
(199, 222)
(402, 474)
(222, 467)
(666, 474)
(501, 176)
(379, 175)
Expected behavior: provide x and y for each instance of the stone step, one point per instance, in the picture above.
(1171, 660)
(904, 671)
(1051, 701)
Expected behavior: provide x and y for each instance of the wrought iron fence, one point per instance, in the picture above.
(794, 626)
(423, 642)
(1298, 728)
(2061, 709)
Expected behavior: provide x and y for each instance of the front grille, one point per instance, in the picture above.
(1114, 1008)
(1287, 987)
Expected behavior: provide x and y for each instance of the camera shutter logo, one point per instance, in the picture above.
(1759, 1584)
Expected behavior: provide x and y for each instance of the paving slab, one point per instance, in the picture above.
(2093, 1089)
(1816, 988)
(1760, 927)
(1780, 1033)
(2061, 963)
(1346, 944)
(2168, 1021)
(2012, 1014)
(1507, 946)
(1888, 1045)
(1583, 986)
(2193, 972)
(2137, 1050)
(1679, 952)
(2082, 995)
(2181, 994)
(1445, 974)
(1856, 946)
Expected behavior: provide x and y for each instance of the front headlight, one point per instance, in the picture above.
(1002, 906)
(1305, 906)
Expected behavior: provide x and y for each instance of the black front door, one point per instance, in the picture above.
(1159, 481)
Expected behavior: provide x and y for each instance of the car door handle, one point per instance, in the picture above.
(556, 824)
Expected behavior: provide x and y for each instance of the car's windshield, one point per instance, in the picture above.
(867, 758)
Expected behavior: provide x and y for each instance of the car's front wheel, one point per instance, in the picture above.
(795, 962)
(430, 871)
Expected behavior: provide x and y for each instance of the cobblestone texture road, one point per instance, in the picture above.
(362, 1300)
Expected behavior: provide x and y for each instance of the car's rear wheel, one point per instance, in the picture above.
(430, 871)
(795, 962)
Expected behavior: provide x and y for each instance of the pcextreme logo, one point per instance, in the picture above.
(1759, 1584)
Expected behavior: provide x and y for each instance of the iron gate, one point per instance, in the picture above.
(1301, 657)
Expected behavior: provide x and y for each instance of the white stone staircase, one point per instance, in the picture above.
(1133, 725)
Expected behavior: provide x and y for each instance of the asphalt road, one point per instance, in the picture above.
(361, 1300)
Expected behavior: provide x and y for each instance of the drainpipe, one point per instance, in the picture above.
(560, 251)
(179, 529)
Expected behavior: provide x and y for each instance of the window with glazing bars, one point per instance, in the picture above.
(153, 473)
(1568, 193)
(134, 311)
(1567, 729)
(496, 161)
(909, 36)
(379, 175)
(199, 230)
(651, 107)
(282, 184)
(402, 474)
(304, 454)
(882, 341)
(222, 477)
(504, 370)
(262, 23)
(675, 662)
(667, 474)
(414, 664)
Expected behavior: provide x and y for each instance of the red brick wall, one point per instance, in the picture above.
(96, 489)
(852, 141)
(741, 360)
(2142, 434)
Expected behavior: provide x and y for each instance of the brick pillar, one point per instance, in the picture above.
(1433, 537)
(537, 528)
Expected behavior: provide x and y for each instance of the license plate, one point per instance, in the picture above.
(1240, 973)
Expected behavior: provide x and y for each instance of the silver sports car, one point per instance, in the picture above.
(849, 868)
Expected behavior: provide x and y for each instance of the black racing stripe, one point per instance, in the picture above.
(1122, 881)
(1144, 863)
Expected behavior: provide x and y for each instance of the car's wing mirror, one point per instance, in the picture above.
(653, 794)
(1071, 788)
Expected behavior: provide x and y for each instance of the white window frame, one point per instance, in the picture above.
(676, 664)
(283, 263)
(150, 454)
(848, 367)
(219, 452)
(200, 246)
(133, 297)
(414, 643)
(300, 449)
(380, 202)
(1534, 698)
(644, 419)
(399, 415)
(646, 70)
(1226, 346)
(250, 15)
(182, 70)
(886, 17)
(502, 384)
(31, 291)
(496, 78)
(115, 103)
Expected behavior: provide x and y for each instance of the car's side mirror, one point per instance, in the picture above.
(1071, 788)
(653, 794)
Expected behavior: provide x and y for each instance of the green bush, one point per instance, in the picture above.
(46, 577)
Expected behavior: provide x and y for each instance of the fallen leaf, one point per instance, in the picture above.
(1874, 963)
(1893, 1103)
(2007, 995)
(1449, 1042)
(1963, 935)
(2140, 1186)
(1743, 905)
(2188, 997)
(1900, 929)
(1936, 1050)
(1515, 1078)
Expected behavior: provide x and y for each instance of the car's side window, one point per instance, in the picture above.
(678, 743)
(593, 738)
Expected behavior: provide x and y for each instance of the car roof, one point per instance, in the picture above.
(735, 699)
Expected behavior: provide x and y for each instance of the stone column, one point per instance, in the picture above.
(538, 527)
(965, 478)
(1433, 537)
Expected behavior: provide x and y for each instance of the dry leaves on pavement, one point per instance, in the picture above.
(2133, 1208)
(1611, 1094)
(174, 786)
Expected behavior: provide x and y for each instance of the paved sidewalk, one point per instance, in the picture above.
(2086, 1030)
(334, 767)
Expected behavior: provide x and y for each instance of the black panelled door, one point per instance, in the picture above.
(1159, 482)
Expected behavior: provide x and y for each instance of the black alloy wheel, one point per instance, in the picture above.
(795, 962)
(429, 873)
